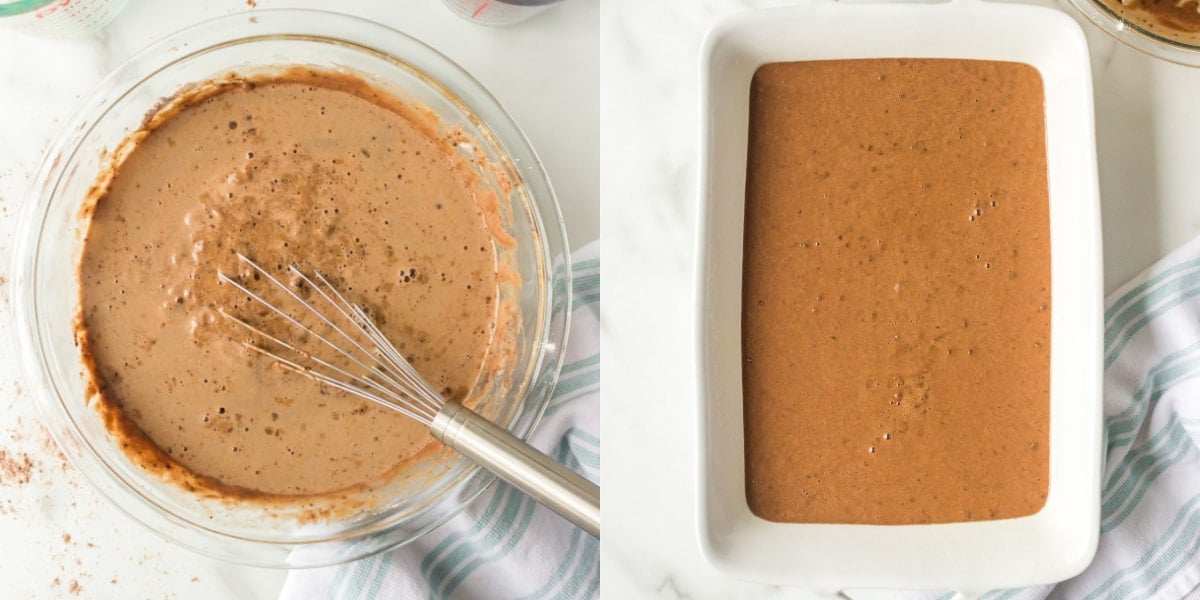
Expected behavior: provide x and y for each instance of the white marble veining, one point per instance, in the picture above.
(1148, 134)
(55, 532)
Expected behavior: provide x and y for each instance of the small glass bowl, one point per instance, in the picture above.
(1137, 36)
(47, 287)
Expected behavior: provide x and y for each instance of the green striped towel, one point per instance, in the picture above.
(504, 545)
(1150, 522)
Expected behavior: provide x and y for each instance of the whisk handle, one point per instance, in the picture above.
(494, 448)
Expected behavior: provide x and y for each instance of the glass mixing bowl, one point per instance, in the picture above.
(47, 287)
(1139, 35)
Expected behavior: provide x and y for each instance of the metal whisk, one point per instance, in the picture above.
(388, 379)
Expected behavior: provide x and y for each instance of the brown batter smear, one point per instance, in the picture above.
(306, 167)
(1175, 20)
(895, 325)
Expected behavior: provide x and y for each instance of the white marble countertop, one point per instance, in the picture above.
(58, 538)
(1148, 134)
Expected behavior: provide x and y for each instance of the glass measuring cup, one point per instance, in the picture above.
(58, 18)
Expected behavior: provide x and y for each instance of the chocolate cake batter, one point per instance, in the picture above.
(896, 292)
(1171, 19)
(305, 167)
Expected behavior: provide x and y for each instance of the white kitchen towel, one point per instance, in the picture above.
(503, 545)
(1150, 504)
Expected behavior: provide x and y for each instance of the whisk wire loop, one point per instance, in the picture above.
(390, 382)
(393, 361)
(397, 401)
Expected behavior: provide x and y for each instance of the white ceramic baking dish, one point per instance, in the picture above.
(1056, 542)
